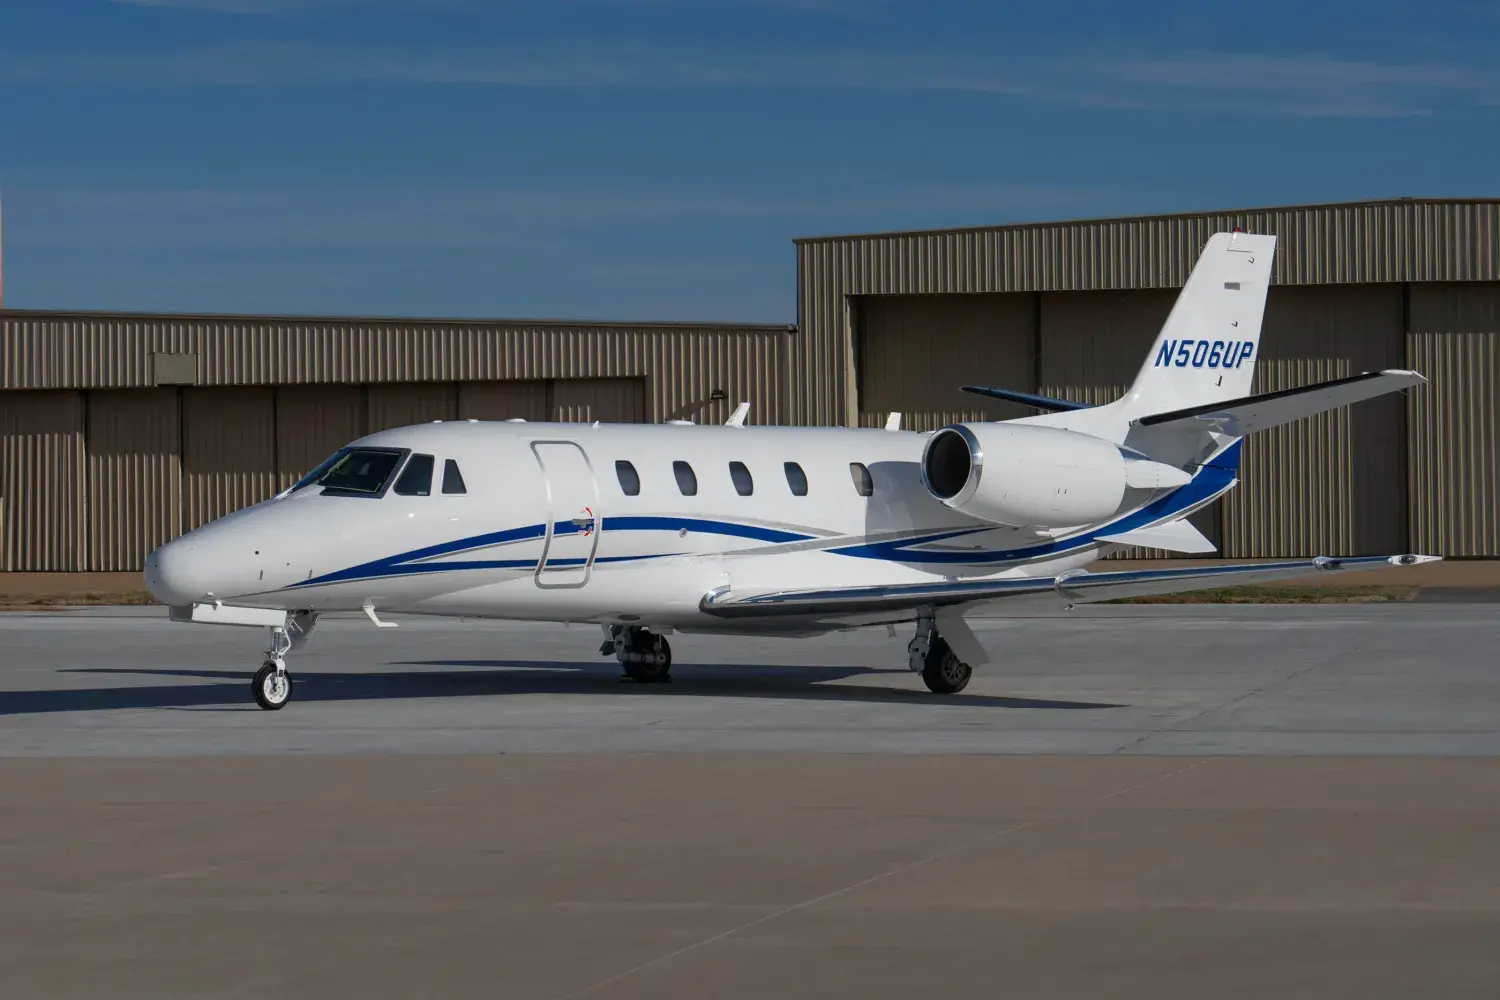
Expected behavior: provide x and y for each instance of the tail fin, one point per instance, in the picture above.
(1206, 350)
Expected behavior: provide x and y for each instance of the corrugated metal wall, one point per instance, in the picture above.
(915, 352)
(312, 422)
(1333, 484)
(1093, 343)
(228, 450)
(1396, 241)
(41, 480)
(1454, 426)
(402, 405)
(683, 364)
(134, 476)
(502, 401)
(615, 400)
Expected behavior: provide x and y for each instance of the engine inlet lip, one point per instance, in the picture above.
(976, 465)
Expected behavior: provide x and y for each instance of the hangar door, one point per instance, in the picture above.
(1334, 483)
(912, 352)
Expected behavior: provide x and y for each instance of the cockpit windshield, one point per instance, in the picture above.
(354, 472)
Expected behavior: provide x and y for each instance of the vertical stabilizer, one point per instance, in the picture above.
(1206, 351)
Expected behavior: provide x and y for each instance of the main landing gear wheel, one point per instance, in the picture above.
(645, 656)
(656, 668)
(929, 654)
(272, 686)
(942, 671)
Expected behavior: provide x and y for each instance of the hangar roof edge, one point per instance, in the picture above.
(1116, 220)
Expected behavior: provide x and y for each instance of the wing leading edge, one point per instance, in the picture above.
(1077, 587)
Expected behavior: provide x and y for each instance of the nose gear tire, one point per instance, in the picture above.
(272, 688)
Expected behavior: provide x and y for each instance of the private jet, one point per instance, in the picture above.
(650, 530)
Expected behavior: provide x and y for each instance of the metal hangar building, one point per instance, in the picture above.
(120, 431)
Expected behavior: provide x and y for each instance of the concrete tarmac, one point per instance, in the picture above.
(1168, 801)
(1165, 679)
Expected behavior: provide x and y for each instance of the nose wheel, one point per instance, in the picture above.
(272, 685)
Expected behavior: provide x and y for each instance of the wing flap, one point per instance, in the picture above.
(1238, 417)
(1078, 587)
(1174, 536)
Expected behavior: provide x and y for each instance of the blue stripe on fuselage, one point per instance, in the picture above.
(1213, 477)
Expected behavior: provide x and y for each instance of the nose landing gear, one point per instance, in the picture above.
(272, 685)
(645, 656)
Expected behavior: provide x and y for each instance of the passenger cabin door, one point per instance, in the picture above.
(573, 521)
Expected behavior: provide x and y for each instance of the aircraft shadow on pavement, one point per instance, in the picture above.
(488, 678)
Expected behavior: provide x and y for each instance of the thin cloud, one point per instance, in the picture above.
(494, 218)
(1245, 83)
(289, 8)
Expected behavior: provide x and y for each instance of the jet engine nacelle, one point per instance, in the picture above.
(1045, 477)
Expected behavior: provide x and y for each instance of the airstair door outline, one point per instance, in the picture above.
(573, 521)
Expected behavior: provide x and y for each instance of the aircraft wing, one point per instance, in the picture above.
(1238, 417)
(1075, 587)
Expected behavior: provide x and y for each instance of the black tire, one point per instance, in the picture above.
(654, 672)
(265, 698)
(943, 672)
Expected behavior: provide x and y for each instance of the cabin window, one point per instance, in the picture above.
(863, 484)
(416, 478)
(796, 479)
(453, 480)
(744, 484)
(354, 472)
(630, 480)
(687, 481)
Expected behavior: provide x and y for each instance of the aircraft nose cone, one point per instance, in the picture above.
(171, 575)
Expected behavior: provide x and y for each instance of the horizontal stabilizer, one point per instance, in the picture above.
(1047, 403)
(1075, 587)
(1174, 536)
(1238, 417)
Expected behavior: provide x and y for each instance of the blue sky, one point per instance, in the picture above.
(652, 159)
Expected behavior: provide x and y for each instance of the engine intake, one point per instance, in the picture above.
(1045, 477)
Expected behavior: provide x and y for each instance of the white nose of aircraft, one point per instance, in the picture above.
(179, 573)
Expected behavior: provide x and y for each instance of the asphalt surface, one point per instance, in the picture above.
(1132, 802)
(1177, 679)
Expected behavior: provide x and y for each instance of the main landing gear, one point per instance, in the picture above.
(930, 655)
(645, 656)
(272, 685)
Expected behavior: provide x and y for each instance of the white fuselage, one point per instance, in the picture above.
(546, 530)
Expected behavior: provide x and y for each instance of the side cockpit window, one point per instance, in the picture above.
(354, 472)
(416, 478)
(453, 480)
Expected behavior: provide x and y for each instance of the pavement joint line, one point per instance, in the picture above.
(1180, 724)
(901, 869)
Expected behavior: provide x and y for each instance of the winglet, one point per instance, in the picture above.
(893, 422)
(737, 418)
